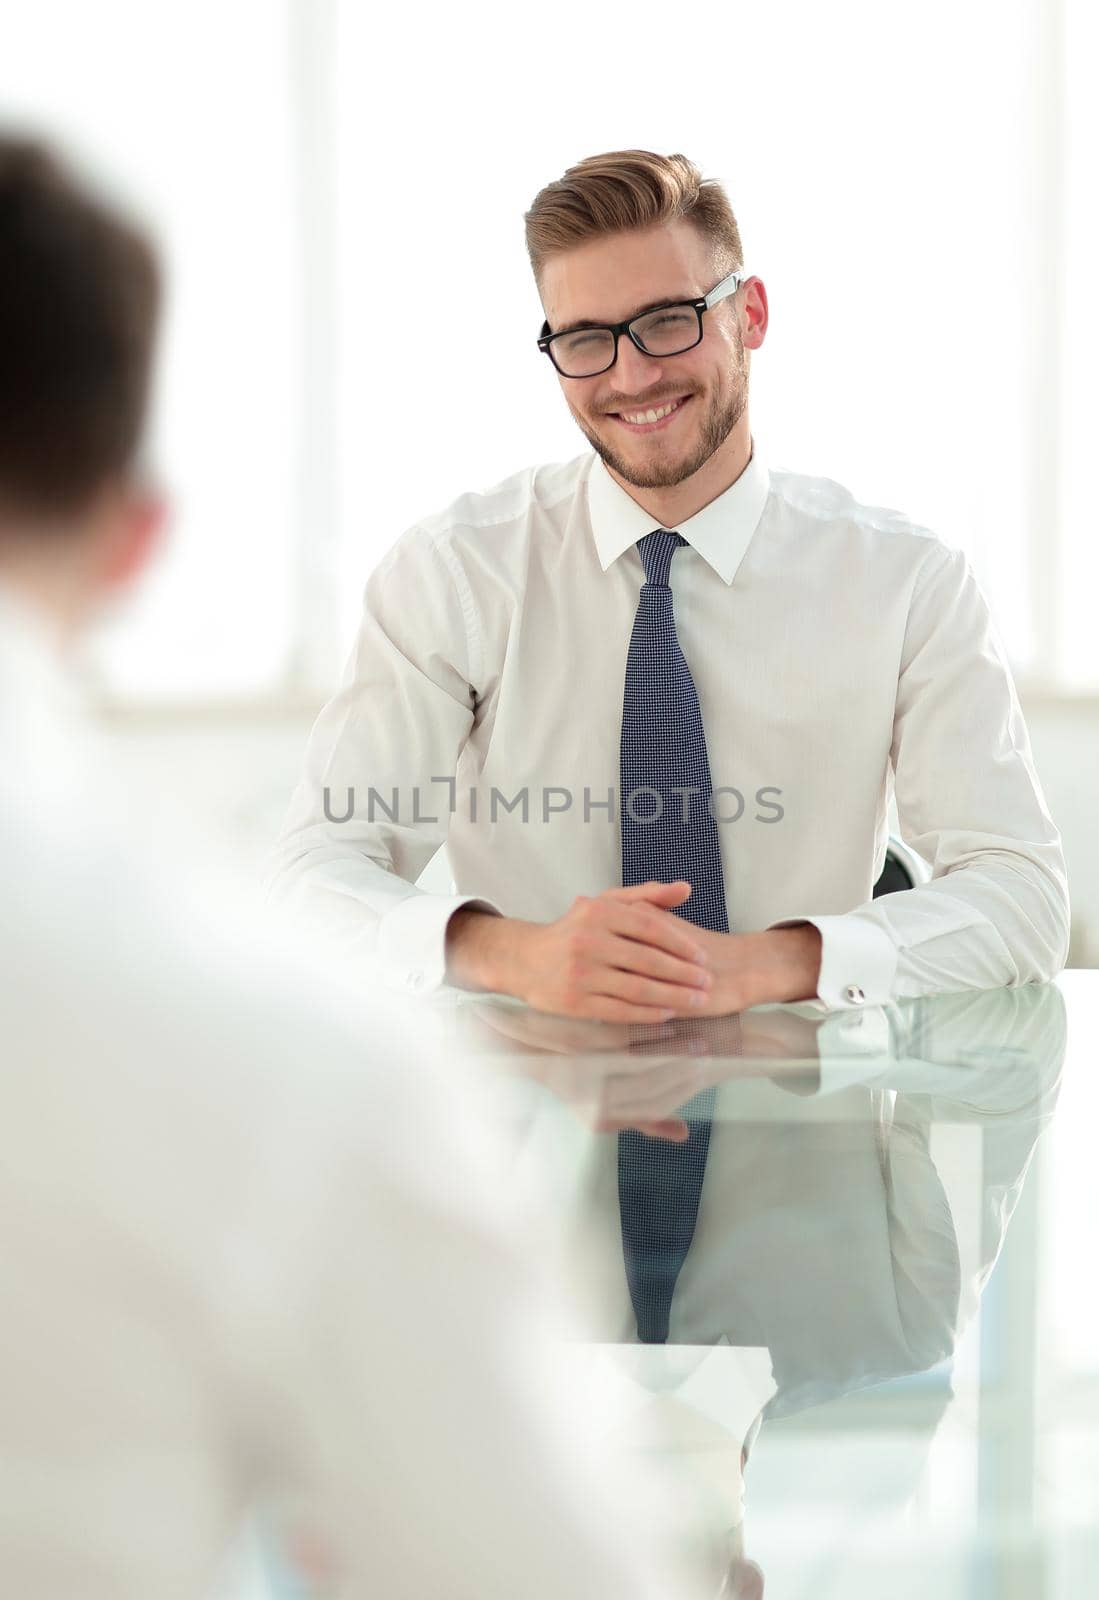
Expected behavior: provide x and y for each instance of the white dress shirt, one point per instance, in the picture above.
(248, 1246)
(841, 655)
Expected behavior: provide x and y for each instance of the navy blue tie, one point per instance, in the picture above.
(665, 775)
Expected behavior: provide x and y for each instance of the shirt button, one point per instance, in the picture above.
(416, 979)
(854, 994)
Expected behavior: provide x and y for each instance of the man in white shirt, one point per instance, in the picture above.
(246, 1238)
(838, 655)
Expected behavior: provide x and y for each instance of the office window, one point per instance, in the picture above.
(189, 112)
(1075, 136)
(339, 190)
(883, 185)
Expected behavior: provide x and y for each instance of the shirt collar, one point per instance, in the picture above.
(720, 532)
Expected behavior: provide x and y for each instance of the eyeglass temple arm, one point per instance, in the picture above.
(727, 286)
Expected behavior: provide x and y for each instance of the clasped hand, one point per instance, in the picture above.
(623, 956)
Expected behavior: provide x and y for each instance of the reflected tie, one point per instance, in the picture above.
(665, 775)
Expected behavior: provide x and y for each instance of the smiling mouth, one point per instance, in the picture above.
(651, 419)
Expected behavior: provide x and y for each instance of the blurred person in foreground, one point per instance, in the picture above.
(246, 1237)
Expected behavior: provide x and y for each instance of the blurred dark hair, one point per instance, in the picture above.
(79, 297)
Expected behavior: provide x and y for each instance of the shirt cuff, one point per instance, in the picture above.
(858, 961)
(411, 947)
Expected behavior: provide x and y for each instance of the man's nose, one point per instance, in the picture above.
(633, 373)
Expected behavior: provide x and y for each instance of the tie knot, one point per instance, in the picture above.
(656, 550)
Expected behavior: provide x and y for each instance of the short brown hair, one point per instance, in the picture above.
(79, 296)
(625, 190)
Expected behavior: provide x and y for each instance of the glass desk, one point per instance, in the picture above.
(881, 1371)
(880, 1375)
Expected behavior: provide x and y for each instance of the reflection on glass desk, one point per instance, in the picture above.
(880, 1375)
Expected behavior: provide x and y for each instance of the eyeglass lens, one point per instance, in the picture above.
(666, 332)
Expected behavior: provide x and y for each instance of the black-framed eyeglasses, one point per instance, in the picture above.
(665, 330)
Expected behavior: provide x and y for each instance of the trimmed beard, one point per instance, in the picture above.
(717, 425)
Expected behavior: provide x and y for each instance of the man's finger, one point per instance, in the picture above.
(673, 1130)
(653, 925)
(671, 894)
(631, 986)
(649, 961)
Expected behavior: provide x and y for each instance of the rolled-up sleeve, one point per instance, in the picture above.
(995, 911)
